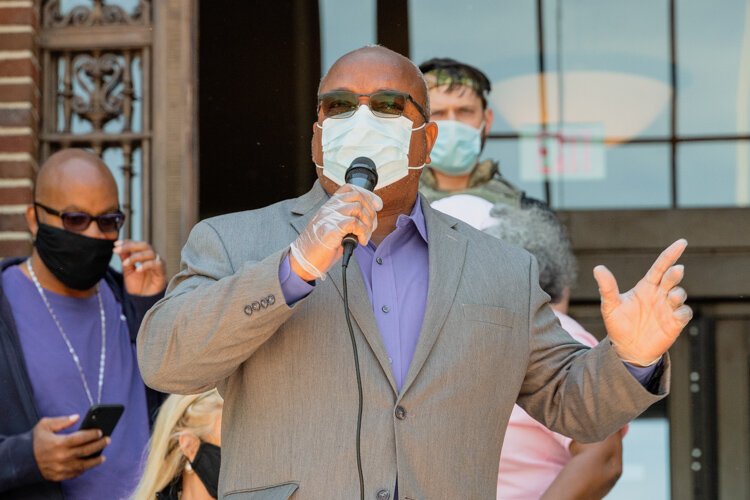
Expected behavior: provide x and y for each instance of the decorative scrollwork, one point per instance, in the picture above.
(101, 91)
(98, 14)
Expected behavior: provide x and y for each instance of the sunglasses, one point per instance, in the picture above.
(78, 222)
(384, 103)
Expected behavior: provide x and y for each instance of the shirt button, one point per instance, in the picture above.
(379, 260)
(385, 309)
(383, 495)
(400, 412)
(390, 360)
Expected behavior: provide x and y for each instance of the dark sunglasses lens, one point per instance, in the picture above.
(110, 222)
(387, 104)
(338, 104)
(75, 221)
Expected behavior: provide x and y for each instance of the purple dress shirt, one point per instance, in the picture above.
(396, 276)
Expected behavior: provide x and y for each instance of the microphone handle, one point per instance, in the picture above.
(349, 242)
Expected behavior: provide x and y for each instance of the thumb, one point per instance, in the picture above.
(56, 424)
(608, 290)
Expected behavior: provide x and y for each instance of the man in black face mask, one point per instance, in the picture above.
(68, 325)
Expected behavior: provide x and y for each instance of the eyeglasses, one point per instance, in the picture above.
(384, 103)
(80, 221)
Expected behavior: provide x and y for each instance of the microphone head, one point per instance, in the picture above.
(362, 173)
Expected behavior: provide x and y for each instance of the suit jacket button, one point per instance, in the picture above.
(249, 310)
(400, 412)
(256, 306)
(383, 495)
(263, 303)
(271, 299)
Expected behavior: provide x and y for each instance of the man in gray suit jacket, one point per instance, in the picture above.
(451, 324)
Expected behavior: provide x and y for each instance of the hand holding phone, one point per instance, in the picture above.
(60, 456)
(104, 418)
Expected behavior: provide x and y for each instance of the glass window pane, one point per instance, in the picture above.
(498, 37)
(614, 59)
(66, 6)
(713, 174)
(344, 26)
(713, 47)
(645, 461)
(635, 176)
(506, 153)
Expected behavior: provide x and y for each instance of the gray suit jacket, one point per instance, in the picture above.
(287, 375)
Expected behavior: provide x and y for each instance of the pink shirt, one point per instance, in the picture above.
(532, 455)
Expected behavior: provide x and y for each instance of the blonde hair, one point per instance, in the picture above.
(179, 414)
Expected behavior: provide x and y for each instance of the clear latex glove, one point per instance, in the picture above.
(351, 209)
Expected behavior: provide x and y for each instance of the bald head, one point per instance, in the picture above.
(72, 166)
(392, 64)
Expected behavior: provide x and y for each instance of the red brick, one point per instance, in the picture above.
(13, 222)
(16, 41)
(17, 143)
(15, 195)
(19, 67)
(18, 15)
(17, 118)
(16, 170)
(19, 92)
(14, 248)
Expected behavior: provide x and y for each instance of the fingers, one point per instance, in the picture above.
(676, 297)
(76, 467)
(80, 438)
(608, 290)
(683, 314)
(130, 246)
(672, 277)
(56, 424)
(665, 261)
(349, 192)
(83, 451)
(139, 257)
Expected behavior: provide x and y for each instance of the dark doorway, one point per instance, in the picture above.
(259, 68)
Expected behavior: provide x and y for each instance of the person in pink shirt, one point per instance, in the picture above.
(536, 462)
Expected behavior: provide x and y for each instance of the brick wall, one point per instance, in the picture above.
(19, 105)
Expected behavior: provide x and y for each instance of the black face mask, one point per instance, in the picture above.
(79, 262)
(206, 465)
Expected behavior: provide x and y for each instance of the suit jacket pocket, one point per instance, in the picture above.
(276, 492)
(489, 314)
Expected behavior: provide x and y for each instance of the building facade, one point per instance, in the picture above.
(630, 118)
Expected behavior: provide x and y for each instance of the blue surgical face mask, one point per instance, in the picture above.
(457, 148)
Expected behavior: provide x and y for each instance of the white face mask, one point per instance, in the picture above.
(384, 140)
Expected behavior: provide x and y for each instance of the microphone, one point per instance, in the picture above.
(362, 173)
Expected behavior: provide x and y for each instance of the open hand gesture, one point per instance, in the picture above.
(644, 322)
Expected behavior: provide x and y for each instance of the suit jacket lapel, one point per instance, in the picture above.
(447, 253)
(359, 302)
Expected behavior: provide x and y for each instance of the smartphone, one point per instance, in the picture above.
(104, 418)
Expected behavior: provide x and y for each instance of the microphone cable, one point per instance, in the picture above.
(344, 265)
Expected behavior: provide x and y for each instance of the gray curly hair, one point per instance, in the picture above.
(536, 229)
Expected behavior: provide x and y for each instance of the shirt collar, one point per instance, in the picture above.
(416, 217)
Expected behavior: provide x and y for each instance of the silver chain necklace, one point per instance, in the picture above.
(102, 356)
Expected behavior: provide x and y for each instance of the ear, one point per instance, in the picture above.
(189, 444)
(489, 117)
(430, 136)
(31, 220)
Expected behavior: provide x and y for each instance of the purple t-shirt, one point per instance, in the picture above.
(56, 381)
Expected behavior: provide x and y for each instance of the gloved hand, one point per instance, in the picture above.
(351, 209)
